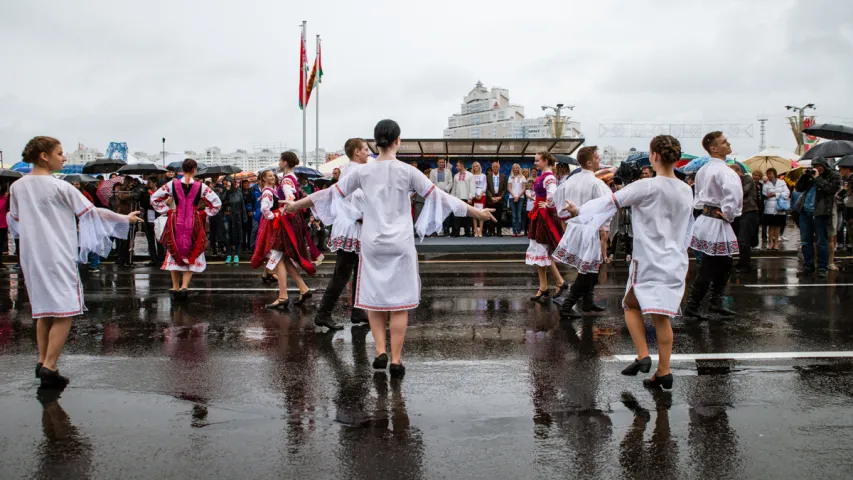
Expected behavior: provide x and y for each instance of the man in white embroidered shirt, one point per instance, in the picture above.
(719, 195)
(579, 189)
(442, 178)
(463, 189)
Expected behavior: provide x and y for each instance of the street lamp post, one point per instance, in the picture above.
(164, 152)
(797, 124)
(559, 123)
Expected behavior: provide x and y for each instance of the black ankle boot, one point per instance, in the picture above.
(694, 312)
(326, 321)
(658, 382)
(567, 310)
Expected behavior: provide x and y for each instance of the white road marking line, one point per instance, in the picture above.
(686, 357)
(793, 285)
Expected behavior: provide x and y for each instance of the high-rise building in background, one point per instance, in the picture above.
(83, 154)
(489, 114)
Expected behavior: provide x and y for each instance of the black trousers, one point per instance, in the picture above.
(461, 222)
(495, 227)
(747, 230)
(155, 248)
(714, 276)
(123, 251)
(584, 286)
(346, 268)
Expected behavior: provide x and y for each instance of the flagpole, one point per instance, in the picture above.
(317, 106)
(302, 93)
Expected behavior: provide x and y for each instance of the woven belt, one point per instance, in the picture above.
(714, 212)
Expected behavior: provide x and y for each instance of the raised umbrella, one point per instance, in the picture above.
(6, 174)
(830, 131)
(307, 171)
(833, 149)
(568, 159)
(642, 159)
(105, 189)
(104, 165)
(218, 171)
(141, 168)
(176, 166)
(80, 178)
(847, 162)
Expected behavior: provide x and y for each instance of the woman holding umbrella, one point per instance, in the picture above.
(774, 189)
(235, 216)
(184, 236)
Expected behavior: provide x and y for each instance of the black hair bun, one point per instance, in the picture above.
(385, 133)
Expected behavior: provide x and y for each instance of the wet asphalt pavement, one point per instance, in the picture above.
(496, 386)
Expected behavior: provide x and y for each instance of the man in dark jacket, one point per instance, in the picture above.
(819, 185)
(746, 226)
(495, 196)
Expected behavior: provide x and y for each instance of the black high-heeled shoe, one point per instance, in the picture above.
(639, 365)
(268, 278)
(397, 370)
(380, 362)
(658, 382)
(278, 303)
(303, 297)
(38, 369)
(541, 296)
(562, 288)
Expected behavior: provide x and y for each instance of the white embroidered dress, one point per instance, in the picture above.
(42, 214)
(719, 186)
(344, 217)
(388, 262)
(158, 201)
(663, 220)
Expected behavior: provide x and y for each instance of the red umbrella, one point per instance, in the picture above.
(105, 189)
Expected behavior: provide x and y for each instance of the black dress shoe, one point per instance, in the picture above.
(589, 305)
(561, 289)
(639, 365)
(38, 369)
(541, 296)
(183, 294)
(567, 310)
(302, 298)
(52, 378)
(324, 321)
(397, 370)
(380, 362)
(658, 382)
(693, 312)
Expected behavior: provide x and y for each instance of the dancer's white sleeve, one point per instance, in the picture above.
(97, 226)
(158, 199)
(213, 201)
(438, 204)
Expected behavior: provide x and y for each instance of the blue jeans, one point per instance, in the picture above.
(517, 212)
(94, 260)
(813, 229)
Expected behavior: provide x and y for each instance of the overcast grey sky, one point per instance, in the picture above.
(225, 73)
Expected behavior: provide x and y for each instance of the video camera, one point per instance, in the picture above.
(628, 172)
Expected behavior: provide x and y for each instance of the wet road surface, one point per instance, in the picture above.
(496, 386)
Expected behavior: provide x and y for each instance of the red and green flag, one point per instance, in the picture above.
(303, 70)
(316, 74)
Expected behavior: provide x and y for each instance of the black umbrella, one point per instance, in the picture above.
(141, 169)
(218, 171)
(80, 177)
(566, 159)
(6, 174)
(103, 165)
(833, 149)
(307, 171)
(845, 162)
(830, 131)
(176, 166)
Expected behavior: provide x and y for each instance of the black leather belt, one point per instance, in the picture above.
(714, 212)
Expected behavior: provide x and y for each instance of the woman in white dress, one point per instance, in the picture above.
(662, 213)
(42, 208)
(388, 262)
(479, 200)
(774, 189)
(183, 235)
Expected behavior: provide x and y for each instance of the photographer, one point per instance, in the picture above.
(143, 195)
(819, 186)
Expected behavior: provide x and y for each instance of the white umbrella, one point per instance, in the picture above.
(328, 167)
(773, 157)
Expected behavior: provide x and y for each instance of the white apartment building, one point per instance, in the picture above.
(612, 156)
(488, 113)
(84, 154)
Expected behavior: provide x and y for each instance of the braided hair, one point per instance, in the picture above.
(36, 146)
(667, 147)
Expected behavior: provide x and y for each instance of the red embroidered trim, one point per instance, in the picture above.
(429, 191)
(339, 190)
(615, 202)
(79, 310)
(84, 212)
(659, 311)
